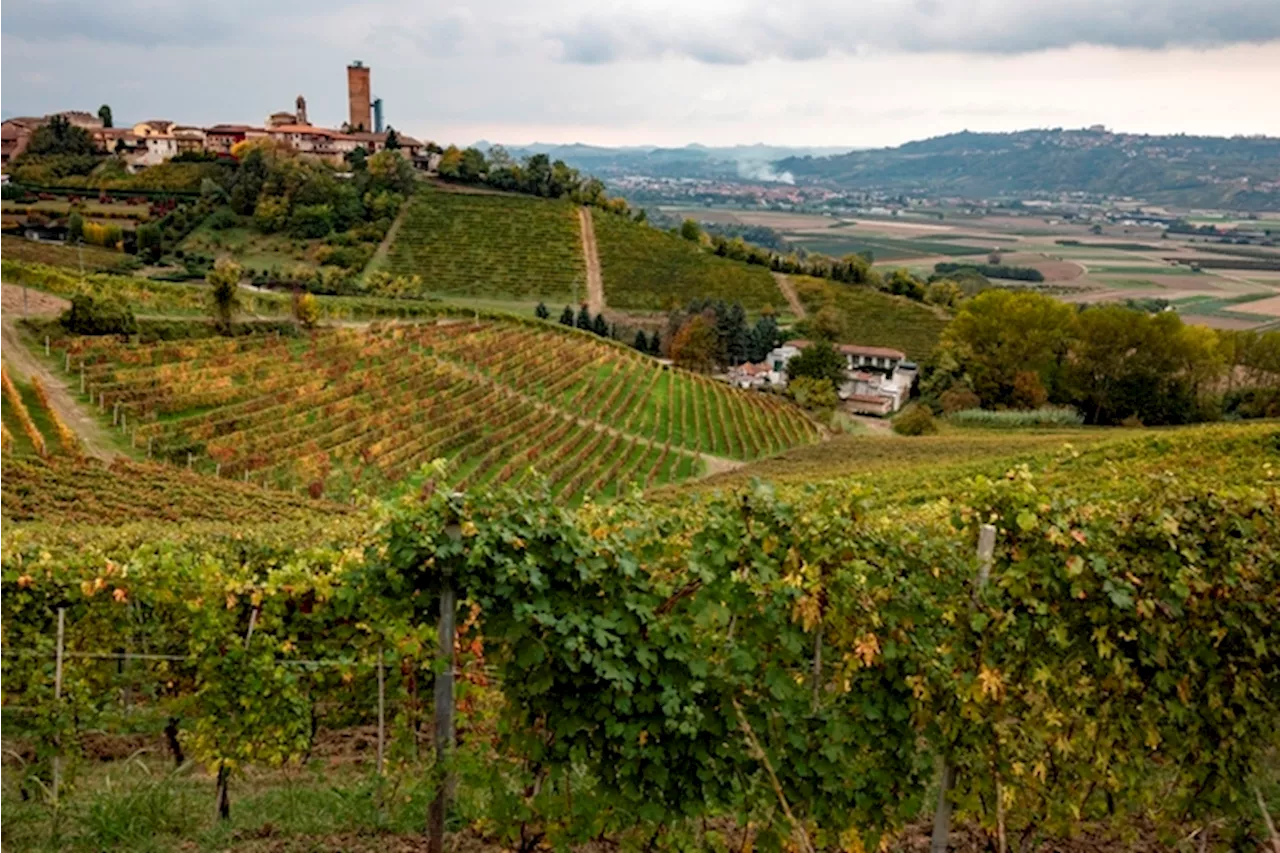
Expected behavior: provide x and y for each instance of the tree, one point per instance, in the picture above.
(393, 139)
(902, 283)
(763, 338)
(816, 395)
(819, 360)
(75, 227)
(310, 220)
(305, 309)
(271, 214)
(584, 318)
(358, 159)
(59, 136)
(566, 317)
(389, 171)
(1000, 333)
(691, 231)
(827, 323)
(224, 293)
(541, 311)
(695, 345)
(655, 344)
(641, 342)
(600, 326)
(150, 241)
(944, 293)
(104, 115)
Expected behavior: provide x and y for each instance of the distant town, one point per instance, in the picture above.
(155, 141)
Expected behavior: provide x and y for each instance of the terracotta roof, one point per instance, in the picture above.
(367, 136)
(798, 343)
(875, 399)
(231, 128)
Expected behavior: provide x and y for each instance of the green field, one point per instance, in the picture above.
(882, 248)
(648, 269)
(251, 248)
(491, 246)
(873, 318)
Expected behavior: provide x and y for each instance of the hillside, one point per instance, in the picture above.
(1238, 172)
(648, 269)
(344, 409)
(872, 318)
(491, 245)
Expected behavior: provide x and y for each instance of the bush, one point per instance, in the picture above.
(1050, 416)
(90, 316)
(958, 399)
(311, 220)
(915, 419)
(222, 219)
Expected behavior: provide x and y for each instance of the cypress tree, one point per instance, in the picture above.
(655, 344)
(566, 319)
(541, 311)
(600, 326)
(584, 319)
(642, 342)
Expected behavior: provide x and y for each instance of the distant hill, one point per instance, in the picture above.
(691, 161)
(1205, 171)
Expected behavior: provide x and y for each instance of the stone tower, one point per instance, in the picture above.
(358, 96)
(302, 110)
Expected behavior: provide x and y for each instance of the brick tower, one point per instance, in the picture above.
(302, 110)
(358, 96)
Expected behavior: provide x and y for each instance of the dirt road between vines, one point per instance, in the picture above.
(595, 281)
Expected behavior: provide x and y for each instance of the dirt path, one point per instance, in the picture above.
(380, 253)
(26, 365)
(595, 281)
(789, 291)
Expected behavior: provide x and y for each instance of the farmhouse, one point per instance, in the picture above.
(877, 380)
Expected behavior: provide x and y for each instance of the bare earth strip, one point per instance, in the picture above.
(1269, 307)
(72, 414)
(789, 291)
(595, 281)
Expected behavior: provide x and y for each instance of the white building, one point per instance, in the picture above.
(878, 380)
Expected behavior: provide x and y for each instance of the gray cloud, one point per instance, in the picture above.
(732, 32)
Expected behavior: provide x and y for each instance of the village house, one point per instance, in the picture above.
(375, 142)
(877, 380)
(319, 142)
(220, 138)
(15, 135)
(189, 139)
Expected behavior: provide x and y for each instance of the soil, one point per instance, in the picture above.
(38, 304)
(595, 280)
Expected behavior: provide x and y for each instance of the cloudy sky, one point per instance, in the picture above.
(666, 72)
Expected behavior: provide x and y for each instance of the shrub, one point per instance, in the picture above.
(1050, 416)
(93, 316)
(958, 399)
(915, 419)
(222, 219)
(311, 220)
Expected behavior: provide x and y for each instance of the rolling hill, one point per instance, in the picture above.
(1193, 170)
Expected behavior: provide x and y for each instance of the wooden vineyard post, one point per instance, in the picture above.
(382, 710)
(66, 364)
(82, 380)
(942, 817)
(57, 697)
(443, 699)
(46, 345)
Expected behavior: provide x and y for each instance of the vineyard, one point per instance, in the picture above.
(346, 409)
(768, 668)
(872, 318)
(492, 246)
(648, 269)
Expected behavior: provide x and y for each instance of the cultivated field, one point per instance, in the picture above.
(873, 318)
(352, 408)
(648, 269)
(494, 246)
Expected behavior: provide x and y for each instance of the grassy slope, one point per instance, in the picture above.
(873, 318)
(60, 255)
(491, 246)
(648, 269)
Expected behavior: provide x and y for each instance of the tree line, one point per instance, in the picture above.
(536, 175)
(1023, 350)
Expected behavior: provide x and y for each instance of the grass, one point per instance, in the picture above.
(651, 270)
(1045, 416)
(872, 318)
(493, 247)
(250, 248)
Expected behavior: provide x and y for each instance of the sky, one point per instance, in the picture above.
(856, 73)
